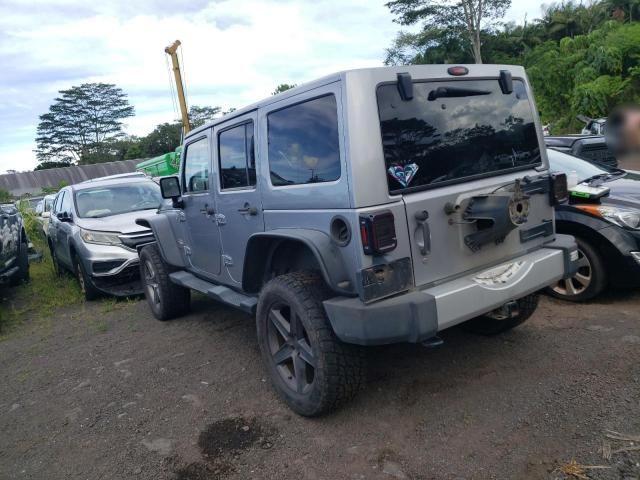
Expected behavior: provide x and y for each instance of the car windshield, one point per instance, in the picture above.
(48, 203)
(105, 201)
(455, 130)
(565, 163)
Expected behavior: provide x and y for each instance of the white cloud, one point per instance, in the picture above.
(235, 53)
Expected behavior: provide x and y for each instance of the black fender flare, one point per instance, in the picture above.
(262, 245)
(163, 234)
(606, 236)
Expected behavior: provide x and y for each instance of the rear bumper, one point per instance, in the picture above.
(418, 315)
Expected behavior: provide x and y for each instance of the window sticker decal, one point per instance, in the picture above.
(403, 174)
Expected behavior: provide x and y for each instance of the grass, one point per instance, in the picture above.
(41, 297)
(46, 292)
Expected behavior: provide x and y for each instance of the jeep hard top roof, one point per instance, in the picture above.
(381, 74)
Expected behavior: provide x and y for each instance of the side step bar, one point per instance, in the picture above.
(217, 292)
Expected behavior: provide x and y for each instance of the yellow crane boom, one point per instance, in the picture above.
(171, 50)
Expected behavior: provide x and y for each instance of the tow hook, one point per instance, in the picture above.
(505, 312)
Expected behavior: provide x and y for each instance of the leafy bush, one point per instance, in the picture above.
(32, 224)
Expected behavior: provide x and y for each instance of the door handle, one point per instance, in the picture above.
(207, 210)
(249, 209)
(423, 225)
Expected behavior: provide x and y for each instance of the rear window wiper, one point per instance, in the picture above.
(455, 92)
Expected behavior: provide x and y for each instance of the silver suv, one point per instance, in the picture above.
(93, 233)
(368, 207)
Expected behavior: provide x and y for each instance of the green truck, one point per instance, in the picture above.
(161, 166)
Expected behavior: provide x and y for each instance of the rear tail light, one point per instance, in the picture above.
(559, 189)
(378, 233)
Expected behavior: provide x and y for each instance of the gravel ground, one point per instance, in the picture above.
(103, 391)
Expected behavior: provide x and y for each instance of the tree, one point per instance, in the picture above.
(468, 17)
(165, 138)
(200, 115)
(283, 87)
(46, 164)
(81, 122)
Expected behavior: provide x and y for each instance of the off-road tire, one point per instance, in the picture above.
(165, 299)
(22, 276)
(89, 291)
(486, 325)
(339, 371)
(597, 272)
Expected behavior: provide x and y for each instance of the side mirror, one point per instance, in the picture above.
(64, 217)
(170, 189)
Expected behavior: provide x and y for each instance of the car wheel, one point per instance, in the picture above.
(89, 291)
(310, 368)
(166, 299)
(23, 264)
(497, 322)
(588, 282)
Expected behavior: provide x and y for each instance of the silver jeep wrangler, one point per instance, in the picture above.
(368, 207)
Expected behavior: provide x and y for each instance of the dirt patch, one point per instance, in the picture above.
(232, 435)
(204, 471)
(150, 400)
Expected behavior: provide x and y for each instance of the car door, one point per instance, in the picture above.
(239, 205)
(202, 248)
(54, 221)
(64, 228)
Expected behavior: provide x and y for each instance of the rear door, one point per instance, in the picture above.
(238, 198)
(456, 140)
(202, 249)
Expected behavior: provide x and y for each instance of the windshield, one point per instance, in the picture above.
(454, 130)
(115, 199)
(564, 163)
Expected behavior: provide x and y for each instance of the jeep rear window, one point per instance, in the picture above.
(437, 139)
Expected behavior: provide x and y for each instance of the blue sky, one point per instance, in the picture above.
(235, 53)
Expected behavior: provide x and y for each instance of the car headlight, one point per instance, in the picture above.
(623, 217)
(100, 238)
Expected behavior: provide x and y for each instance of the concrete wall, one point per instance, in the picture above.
(18, 184)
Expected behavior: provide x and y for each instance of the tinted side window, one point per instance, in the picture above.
(196, 166)
(237, 161)
(65, 206)
(58, 203)
(303, 143)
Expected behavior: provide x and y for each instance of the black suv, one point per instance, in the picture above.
(14, 246)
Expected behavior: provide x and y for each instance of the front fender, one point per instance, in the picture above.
(261, 246)
(160, 225)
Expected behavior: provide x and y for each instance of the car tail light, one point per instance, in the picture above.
(378, 233)
(559, 189)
